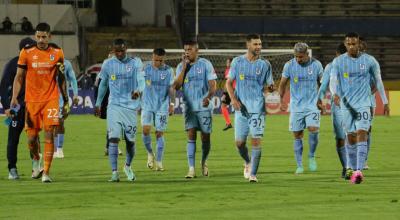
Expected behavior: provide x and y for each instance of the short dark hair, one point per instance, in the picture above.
(352, 34)
(159, 51)
(43, 27)
(361, 38)
(118, 42)
(26, 42)
(252, 36)
(341, 48)
(190, 42)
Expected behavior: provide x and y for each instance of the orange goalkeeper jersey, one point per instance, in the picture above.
(41, 72)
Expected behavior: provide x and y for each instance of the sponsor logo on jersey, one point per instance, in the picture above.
(241, 76)
(148, 82)
(113, 77)
(128, 68)
(362, 66)
(346, 75)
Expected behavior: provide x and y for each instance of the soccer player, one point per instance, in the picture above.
(41, 65)
(304, 74)
(196, 77)
(125, 78)
(157, 103)
(253, 76)
(336, 113)
(225, 100)
(352, 72)
(17, 118)
(60, 131)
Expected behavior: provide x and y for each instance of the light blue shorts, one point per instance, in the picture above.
(299, 121)
(200, 120)
(121, 121)
(337, 121)
(243, 125)
(359, 119)
(157, 119)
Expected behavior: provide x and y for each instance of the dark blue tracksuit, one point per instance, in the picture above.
(17, 125)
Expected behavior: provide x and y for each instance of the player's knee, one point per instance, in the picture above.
(313, 129)
(255, 142)
(146, 130)
(362, 135)
(192, 134)
(240, 143)
(298, 134)
(159, 134)
(352, 138)
(339, 142)
(205, 137)
(113, 140)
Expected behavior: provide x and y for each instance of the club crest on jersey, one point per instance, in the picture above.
(309, 70)
(241, 76)
(362, 66)
(163, 76)
(346, 75)
(52, 57)
(258, 71)
(113, 77)
(128, 68)
(148, 82)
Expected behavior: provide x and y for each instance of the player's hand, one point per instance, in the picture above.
(386, 110)
(75, 100)
(14, 102)
(60, 67)
(283, 106)
(336, 100)
(271, 88)
(206, 102)
(8, 113)
(235, 103)
(171, 109)
(135, 95)
(320, 106)
(65, 110)
(97, 111)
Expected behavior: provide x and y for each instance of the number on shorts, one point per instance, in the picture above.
(256, 122)
(163, 119)
(315, 116)
(130, 129)
(52, 113)
(207, 121)
(362, 115)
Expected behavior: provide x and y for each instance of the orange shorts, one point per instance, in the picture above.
(42, 114)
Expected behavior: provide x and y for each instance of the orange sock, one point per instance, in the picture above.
(48, 155)
(225, 112)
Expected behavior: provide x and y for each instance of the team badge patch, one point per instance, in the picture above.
(309, 70)
(128, 68)
(346, 75)
(113, 77)
(241, 76)
(52, 57)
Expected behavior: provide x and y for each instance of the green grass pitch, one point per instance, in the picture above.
(81, 191)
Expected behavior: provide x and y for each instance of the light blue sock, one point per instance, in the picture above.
(298, 151)
(113, 156)
(191, 152)
(55, 139)
(368, 145)
(160, 148)
(342, 155)
(352, 153)
(362, 150)
(313, 142)
(244, 153)
(130, 152)
(255, 159)
(60, 142)
(147, 143)
(206, 145)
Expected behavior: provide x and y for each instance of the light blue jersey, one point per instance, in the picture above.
(195, 86)
(251, 77)
(354, 80)
(123, 78)
(303, 84)
(70, 80)
(156, 93)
